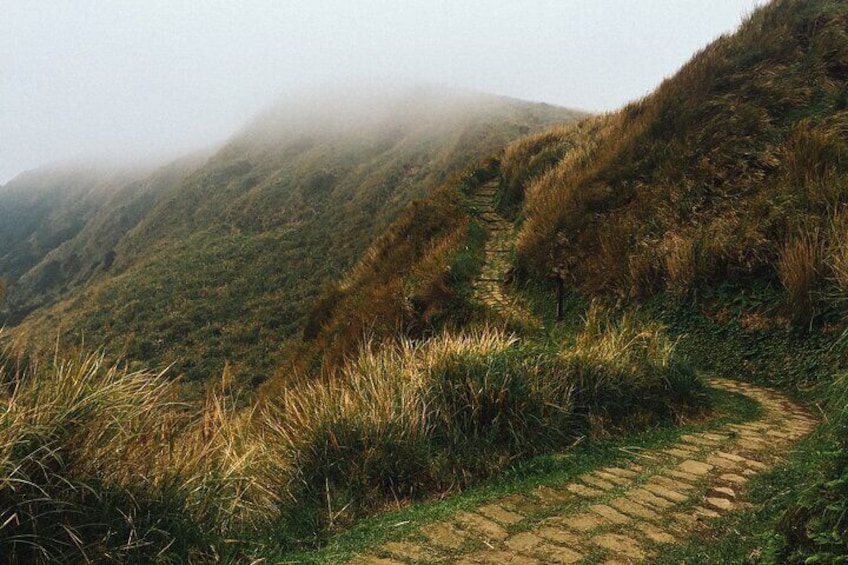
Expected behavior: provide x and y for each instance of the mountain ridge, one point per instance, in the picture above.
(221, 266)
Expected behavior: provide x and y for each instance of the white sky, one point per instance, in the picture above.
(127, 79)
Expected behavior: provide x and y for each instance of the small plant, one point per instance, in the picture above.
(814, 529)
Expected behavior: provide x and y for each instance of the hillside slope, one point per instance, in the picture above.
(60, 226)
(718, 206)
(721, 202)
(726, 174)
(224, 265)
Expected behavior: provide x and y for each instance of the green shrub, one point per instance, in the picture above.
(413, 418)
(492, 393)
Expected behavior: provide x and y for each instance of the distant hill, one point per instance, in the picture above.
(223, 265)
(60, 226)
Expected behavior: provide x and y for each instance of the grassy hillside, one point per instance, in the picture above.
(703, 227)
(224, 266)
(41, 211)
(61, 225)
(732, 172)
(721, 201)
(414, 280)
(716, 206)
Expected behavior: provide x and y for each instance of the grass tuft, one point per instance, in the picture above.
(800, 267)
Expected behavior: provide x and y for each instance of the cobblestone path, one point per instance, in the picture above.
(618, 514)
(489, 286)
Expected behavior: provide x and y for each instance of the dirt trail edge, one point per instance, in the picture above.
(616, 514)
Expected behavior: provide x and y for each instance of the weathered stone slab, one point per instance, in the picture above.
(500, 514)
(620, 545)
(695, 467)
(444, 535)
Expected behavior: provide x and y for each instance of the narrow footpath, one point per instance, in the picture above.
(620, 514)
(500, 246)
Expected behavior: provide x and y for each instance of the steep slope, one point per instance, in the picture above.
(224, 266)
(728, 187)
(728, 172)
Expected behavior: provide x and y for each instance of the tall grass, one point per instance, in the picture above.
(800, 267)
(75, 441)
(625, 372)
(429, 416)
(97, 463)
(837, 256)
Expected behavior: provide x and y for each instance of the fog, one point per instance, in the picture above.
(128, 80)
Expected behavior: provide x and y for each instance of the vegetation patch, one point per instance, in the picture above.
(83, 439)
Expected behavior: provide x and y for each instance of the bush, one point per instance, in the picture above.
(423, 417)
(800, 267)
(75, 441)
(98, 463)
(626, 373)
(493, 396)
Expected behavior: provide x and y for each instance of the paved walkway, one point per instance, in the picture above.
(619, 514)
(500, 245)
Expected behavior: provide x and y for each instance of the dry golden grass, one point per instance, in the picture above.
(812, 159)
(680, 257)
(80, 438)
(800, 268)
(837, 252)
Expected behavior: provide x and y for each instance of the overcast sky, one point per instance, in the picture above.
(141, 78)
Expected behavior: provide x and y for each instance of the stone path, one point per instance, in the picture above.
(618, 514)
(500, 245)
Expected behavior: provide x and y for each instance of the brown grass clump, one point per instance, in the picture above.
(97, 462)
(626, 372)
(800, 267)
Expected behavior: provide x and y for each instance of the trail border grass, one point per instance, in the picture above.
(748, 535)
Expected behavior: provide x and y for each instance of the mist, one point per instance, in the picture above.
(130, 81)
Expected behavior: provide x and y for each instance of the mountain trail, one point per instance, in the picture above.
(489, 288)
(617, 514)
